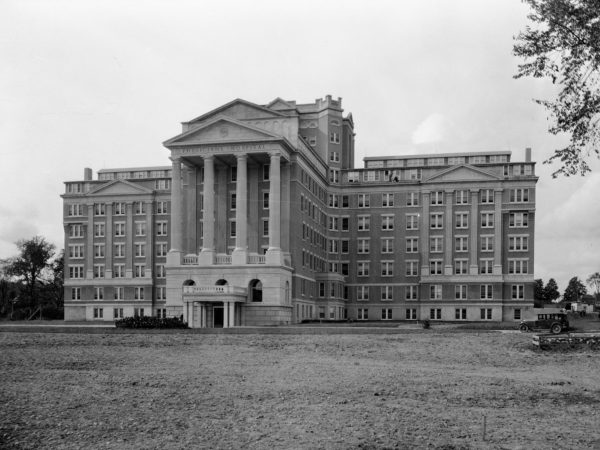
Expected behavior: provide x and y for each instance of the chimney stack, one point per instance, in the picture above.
(528, 154)
(87, 174)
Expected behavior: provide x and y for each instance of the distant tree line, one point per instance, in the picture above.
(31, 283)
(574, 292)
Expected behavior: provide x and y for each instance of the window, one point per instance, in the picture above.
(161, 249)
(412, 221)
(486, 314)
(75, 231)
(519, 195)
(486, 266)
(411, 314)
(138, 294)
(75, 293)
(460, 314)
(487, 220)
(161, 208)
(334, 175)
(487, 243)
(75, 210)
(140, 228)
(387, 222)
(437, 221)
(119, 271)
(518, 266)
(161, 293)
(435, 314)
(333, 223)
(76, 251)
(456, 160)
(387, 268)
(461, 244)
(99, 293)
(119, 229)
(435, 161)
(345, 246)
(363, 268)
(266, 172)
(364, 200)
(386, 314)
(265, 227)
(518, 220)
(461, 266)
(518, 292)
(487, 196)
(363, 245)
(98, 313)
(387, 200)
(363, 314)
(436, 244)
(117, 313)
(412, 268)
(99, 250)
(160, 271)
(345, 201)
(412, 199)
(140, 249)
(334, 156)
(333, 246)
(437, 198)
(232, 201)
(462, 220)
(477, 159)
(233, 177)
(163, 185)
(99, 229)
(410, 292)
(462, 197)
(387, 245)
(76, 271)
(345, 223)
(333, 201)
(486, 292)
(364, 223)
(232, 228)
(140, 208)
(120, 209)
(412, 245)
(460, 292)
(99, 209)
(362, 293)
(140, 271)
(518, 243)
(98, 270)
(119, 250)
(119, 293)
(435, 267)
(387, 293)
(517, 314)
(334, 137)
(161, 228)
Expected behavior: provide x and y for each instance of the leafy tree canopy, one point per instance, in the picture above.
(575, 290)
(593, 281)
(551, 290)
(563, 44)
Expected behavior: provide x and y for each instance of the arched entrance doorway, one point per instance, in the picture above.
(255, 291)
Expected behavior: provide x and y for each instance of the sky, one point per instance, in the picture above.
(102, 84)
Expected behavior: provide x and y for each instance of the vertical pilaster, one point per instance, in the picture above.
(208, 216)
(274, 255)
(231, 314)
(448, 222)
(225, 314)
(498, 232)
(149, 240)
(129, 236)
(424, 235)
(109, 241)
(89, 255)
(474, 226)
(174, 256)
(240, 254)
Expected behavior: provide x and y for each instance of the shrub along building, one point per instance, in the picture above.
(262, 218)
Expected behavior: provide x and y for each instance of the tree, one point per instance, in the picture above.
(29, 266)
(575, 290)
(564, 46)
(538, 292)
(551, 290)
(593, 282)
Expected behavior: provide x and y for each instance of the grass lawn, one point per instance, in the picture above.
(427, 389)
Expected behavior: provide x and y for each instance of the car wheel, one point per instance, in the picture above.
(556, 328)
(523, 328)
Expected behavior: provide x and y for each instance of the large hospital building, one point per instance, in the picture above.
(261, 218)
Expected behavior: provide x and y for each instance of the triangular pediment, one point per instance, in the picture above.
(280, 104)
(238, 109)
(120, 187)
(462, 173)
(221, 129)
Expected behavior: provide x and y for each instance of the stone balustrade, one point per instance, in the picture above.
(214, 290)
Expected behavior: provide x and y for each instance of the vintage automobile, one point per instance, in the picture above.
(556, 323)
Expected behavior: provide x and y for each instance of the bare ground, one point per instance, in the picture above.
(431, 389)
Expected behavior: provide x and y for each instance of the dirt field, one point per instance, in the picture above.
(427, 389)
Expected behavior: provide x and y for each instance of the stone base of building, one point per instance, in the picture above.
(74, 313)
(265, 315)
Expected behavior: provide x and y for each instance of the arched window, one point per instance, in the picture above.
(221, 282)
(189, 283)
(255, 289)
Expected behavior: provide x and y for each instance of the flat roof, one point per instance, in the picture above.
(435, 155)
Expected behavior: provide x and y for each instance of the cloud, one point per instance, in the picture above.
(435, 128)
(12, 231)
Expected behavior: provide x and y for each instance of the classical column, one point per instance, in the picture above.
(232, 314)
(225, 314)
(448, 222)
(240, 253)
(174, 256)
(208, 216)
(498, 232)
(424, 235)
(89, 256)
(274, 255)
(473, 227)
